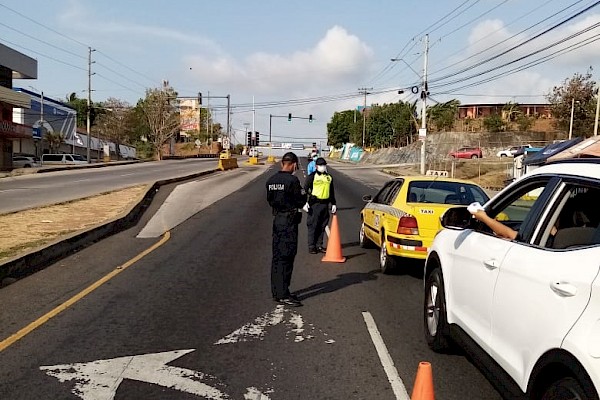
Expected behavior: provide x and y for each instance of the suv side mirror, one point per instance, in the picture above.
(367, 197)
(457, 218)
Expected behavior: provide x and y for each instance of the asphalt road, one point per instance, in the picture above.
(194, 318)
(27, 191)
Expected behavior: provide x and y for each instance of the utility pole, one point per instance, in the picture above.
(423, 133)
(365, 92)
(597, 110)
(89, 104)
(208, 118)
(228, 118)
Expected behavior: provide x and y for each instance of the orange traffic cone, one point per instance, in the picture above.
(423, 389)
(334, 244)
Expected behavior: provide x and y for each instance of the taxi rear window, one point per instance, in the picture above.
(440, 192)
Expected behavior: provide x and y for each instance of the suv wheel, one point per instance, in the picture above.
(364, 241)
(434, 313)
(566, 389)
(386, 262)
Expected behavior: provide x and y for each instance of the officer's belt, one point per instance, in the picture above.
(293, 210)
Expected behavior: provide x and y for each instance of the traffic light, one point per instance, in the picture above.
(310, 118)
(249, 139)
(257, 139)
(289, 116)
(199, 98)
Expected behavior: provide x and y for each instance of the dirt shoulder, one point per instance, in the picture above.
(23, 231)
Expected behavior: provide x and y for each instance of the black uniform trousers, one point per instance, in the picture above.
(316, 222)
(285, 247)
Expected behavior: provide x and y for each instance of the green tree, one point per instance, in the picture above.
(524, 122)
(80, 105)
(116, 122)
(391, 124)
(342, 128)
(577, 91)
(443, 115)
(493, 123)
(162, 117)
(54, 139)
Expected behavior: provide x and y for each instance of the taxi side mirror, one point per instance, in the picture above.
(367, 197)
(457, 218)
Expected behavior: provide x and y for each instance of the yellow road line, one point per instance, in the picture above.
(53, 313)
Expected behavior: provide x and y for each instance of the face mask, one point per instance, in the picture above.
(321, 168)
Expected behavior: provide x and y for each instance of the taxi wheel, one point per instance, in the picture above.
(434, 312)
(386, 262)
(364, 241)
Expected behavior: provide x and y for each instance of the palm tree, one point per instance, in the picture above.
(511, 111)
(54, 140)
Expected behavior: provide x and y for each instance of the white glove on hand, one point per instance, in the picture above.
(474, 207)
(306, 207)
(333, 209)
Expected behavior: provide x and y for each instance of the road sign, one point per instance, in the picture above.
(197, 142)
(431, 172)
(37, 132)
(422, 133)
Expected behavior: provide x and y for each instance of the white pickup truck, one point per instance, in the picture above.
(510, 152)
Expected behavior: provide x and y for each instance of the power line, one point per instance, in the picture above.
(471, 21)
(42, 25)
(553, 27)
(537, 8)
(561, 41)
(521, 44)
(41, 54)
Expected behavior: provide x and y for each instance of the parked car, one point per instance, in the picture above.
(60, 159)
(511, 151)
(25, 162)
(528, 308)
(403, 218)
(467, 152)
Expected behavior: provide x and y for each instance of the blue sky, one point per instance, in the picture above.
(277, 51)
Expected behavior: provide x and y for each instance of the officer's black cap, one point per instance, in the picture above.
(321, 161)
(290, 157)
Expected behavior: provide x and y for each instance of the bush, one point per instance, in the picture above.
(493, 123)
(524, 122)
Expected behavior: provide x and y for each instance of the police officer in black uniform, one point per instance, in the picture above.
(285, 196)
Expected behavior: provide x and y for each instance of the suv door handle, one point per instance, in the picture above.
(491, 264)
(564, 289)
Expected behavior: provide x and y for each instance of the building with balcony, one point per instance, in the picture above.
(13, 65)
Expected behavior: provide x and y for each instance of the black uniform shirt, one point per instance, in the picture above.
(284, 192)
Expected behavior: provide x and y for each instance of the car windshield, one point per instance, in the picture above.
(77, 157)
(445, 192)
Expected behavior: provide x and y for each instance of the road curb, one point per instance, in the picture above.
(40, 258)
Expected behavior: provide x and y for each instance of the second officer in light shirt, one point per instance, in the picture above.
(321, 193)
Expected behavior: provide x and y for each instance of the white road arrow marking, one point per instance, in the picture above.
(99, 380)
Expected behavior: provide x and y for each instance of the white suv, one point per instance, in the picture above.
(529, 308)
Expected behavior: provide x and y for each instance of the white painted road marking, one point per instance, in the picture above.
(256, 330)
(386, 360)
(99, 380)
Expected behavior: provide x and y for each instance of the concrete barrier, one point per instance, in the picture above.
(227, 163)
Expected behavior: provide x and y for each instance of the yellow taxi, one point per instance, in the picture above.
(404, 216)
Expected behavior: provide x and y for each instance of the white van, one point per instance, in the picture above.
(62, 159)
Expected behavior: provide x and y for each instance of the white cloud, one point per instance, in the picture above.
(337, 60)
